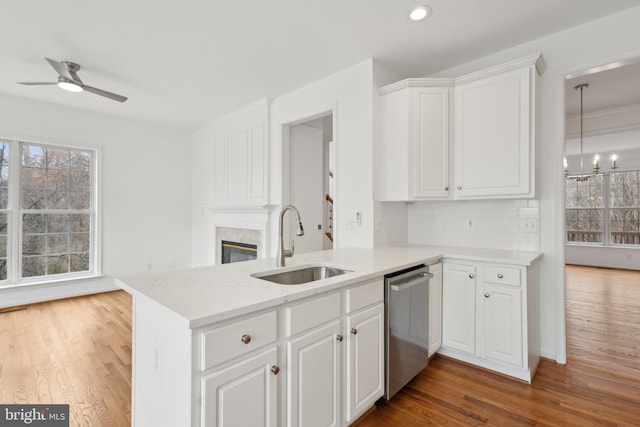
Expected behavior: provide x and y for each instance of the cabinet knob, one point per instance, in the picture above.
(500, 276)
(471, 276)
(275, 370)
(486, 295)
(339, 338)
(246, 339)
(354, 331)
(446, 188)
(459, 187)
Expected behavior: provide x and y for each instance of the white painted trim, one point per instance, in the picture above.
(35, 293)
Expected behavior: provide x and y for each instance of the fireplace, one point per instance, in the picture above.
(237, 252)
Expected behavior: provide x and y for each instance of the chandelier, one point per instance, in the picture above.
(582, 176)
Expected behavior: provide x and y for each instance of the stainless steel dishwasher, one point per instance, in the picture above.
(407, 326)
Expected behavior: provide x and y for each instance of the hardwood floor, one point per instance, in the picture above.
(75, 351)
(78, 351)
(600, 384)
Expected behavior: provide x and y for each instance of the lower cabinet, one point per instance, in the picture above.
(242, 394)
(490, 316)
(313, 383)
(365, 358)
(502, 323)
(459, 307)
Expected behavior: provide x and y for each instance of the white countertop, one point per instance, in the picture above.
(203, 295)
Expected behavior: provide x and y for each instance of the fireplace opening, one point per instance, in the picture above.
(238, 252)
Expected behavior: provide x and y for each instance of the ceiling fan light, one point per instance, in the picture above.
(420, 12)
(69, 86)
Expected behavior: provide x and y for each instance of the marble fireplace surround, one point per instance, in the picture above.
(248, 226)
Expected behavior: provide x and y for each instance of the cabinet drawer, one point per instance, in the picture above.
(501, 275)
(310, 314)
(362, 296)
(225, 343)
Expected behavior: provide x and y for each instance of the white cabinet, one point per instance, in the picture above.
(413, 161)
(314, 380)
(459, 307)
(502, 323)
(242, 394)
(495, 134)
(490, 316)
(435, 308)
(365, 360)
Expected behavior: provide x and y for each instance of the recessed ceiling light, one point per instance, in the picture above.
(420, 12)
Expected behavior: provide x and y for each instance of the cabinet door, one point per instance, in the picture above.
(313, 383)
(435, 309)
(459, 307)
(493, 136)
(431, 143)
(243, 394)
(365, 360)
(503, 323)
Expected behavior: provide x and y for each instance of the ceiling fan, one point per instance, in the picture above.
(68, 80)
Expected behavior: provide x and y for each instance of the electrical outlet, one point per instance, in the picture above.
(378, 225)
(528, 225)
(350, 224)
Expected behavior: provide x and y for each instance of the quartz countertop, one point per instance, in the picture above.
(203, 295)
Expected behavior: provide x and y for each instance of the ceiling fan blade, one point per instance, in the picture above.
(37, 83)
(60, 68)
(104, 93)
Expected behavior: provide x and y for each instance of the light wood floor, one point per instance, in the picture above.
(78, 351)
(75, 351)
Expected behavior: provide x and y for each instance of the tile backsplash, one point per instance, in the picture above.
(493, 224)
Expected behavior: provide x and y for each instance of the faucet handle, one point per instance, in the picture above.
(291, 251)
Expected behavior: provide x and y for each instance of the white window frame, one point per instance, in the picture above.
(15, 211)
(606, 210)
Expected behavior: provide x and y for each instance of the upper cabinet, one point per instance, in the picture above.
(491, 135)
(494, 146)
(414, 132)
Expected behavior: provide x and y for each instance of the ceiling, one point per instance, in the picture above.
(610, 86)
(182, 63)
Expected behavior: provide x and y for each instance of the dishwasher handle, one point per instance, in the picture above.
(401, 286)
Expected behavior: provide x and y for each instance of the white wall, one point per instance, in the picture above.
(599, 42)
(348, 94)
(306, 187)
(146, 212)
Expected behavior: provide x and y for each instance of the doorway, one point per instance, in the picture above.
(310, 183)
(602, 212)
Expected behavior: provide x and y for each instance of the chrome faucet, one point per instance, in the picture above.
(282, 252)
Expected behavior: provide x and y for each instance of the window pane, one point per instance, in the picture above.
(33, 266)
(584, 225)
(56, 181)
(625, 226)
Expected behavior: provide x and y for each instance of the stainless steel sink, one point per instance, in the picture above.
(301, 275)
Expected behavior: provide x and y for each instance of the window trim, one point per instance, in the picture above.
(14, 216)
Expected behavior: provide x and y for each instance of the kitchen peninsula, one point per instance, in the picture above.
(218, 346)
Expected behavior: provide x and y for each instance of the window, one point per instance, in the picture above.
(604, 210)
(47, 212)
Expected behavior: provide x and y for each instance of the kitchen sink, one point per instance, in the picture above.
(301, 275)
